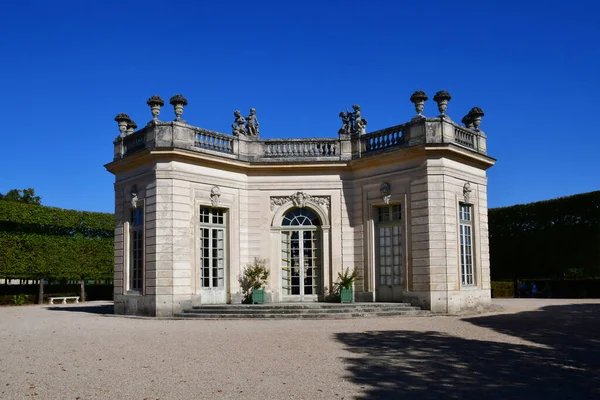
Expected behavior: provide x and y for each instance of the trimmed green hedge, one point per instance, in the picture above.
(551, 239)
(51, 243)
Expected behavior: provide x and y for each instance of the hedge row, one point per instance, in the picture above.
(550, 239)
(31, 218)
(47, 242)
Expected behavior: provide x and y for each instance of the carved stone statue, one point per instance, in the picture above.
(352, 122)
(345, 129)
(239, 125)
(252, 123)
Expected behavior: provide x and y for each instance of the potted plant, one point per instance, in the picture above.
(346, 282)
(255, 276)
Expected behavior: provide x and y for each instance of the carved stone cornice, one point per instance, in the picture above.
(299, 199)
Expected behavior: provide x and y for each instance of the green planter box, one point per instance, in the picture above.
(346, 295)
(258, 296)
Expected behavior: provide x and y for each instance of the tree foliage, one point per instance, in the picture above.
(546, 239)
(52, 243)
(23, 196)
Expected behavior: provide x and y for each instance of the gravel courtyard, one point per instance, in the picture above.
(529, 349)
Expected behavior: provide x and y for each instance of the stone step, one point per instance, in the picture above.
(278, 306)
(301, 311)
(257, 310)
(339, 315)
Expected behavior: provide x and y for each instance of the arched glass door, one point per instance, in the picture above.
(300, 255)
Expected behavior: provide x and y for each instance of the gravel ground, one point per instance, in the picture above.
(530, 348)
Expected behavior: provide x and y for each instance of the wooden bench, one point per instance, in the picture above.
(64, 299)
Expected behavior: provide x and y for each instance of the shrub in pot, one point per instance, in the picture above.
(346, 283)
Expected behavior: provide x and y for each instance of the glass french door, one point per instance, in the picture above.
(301, 264)
(212, 255)
(388, 253)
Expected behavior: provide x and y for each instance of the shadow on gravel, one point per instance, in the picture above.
(432, 365)
(91, 309)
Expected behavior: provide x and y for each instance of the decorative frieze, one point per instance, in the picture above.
(299, 199)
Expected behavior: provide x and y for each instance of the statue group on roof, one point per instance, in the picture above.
(352, 122)
(245, 126)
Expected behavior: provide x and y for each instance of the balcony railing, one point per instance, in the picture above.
(465, 138)
(280, 148)
(215, 141)
(382, 139)
(345, 148)
(134, 142)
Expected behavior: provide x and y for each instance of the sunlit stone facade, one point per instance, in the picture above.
(406, 206)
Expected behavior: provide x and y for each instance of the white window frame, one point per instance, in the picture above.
(466, 245)
(141, 235)
(212, 225)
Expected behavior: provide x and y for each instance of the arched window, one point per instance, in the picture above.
(300, 217)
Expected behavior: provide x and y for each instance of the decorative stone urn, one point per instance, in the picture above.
(476, 113)
(178, 102)
(419, 98)
(123, 120)
(131, 127)
(442, 98)
(467, 121)
(155, 102)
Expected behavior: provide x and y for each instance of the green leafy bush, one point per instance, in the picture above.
(19, 299)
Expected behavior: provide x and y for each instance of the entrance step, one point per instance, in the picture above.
(301, 311)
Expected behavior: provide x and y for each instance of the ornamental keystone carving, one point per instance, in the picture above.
(467, 192)
(299, 199)
(134, 196)
(386, 192)
(215, 195)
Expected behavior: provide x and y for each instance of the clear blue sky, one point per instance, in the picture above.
(68, 67)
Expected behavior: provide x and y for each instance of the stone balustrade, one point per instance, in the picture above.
(179, 135)
(214, 141)
(134, 142)
(382, 139)
(302, 148)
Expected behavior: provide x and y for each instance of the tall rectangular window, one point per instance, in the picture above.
(465, 217)
(136, 246)
(212, 247)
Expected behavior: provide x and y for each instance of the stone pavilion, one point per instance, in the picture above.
(406, 206)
